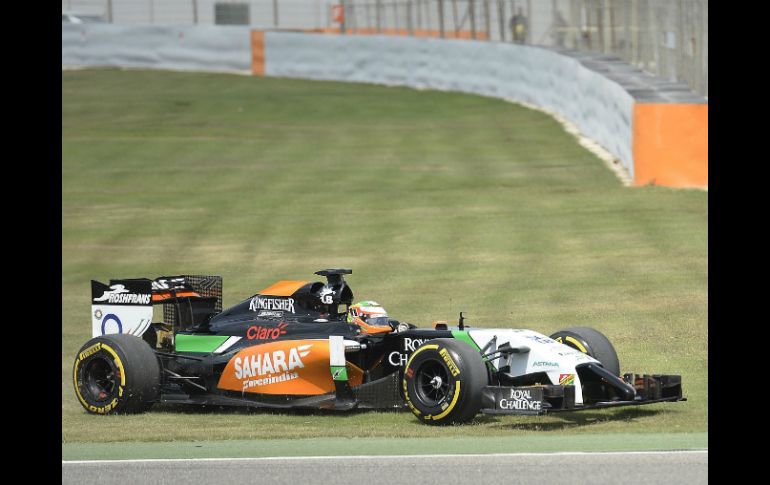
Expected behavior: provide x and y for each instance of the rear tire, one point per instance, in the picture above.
(591, 342)
(116, 374)
(443, 382)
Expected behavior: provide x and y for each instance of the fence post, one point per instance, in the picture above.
(395, 16)
(109, 11)
(194, 11)
(613, 27)
(486, 18)
(418, 9)
(275, 13)
(344, 21)
(600, 24)
(528, 24)
(472, 13)
(441, 18)
(454, 17)
(409, 20)
(501, 18)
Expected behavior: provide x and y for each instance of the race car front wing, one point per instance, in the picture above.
(632, 390)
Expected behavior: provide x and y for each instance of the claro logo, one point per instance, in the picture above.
(270, 367)
(257, 332)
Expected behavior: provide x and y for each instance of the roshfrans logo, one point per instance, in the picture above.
(252, 368)
(119, 294)
(260, 303)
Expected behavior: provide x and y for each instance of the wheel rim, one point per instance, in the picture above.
(432, 383)
(100, 378)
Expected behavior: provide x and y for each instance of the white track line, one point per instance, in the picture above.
(354, 457)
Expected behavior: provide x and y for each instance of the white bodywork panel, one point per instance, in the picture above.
(336, 350)
(545, 355)
(107, 319)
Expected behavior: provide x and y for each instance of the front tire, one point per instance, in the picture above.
(443, 382)
(116, 374)
(591, 342)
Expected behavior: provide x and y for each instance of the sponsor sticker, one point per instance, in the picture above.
(168, 283)
(339, 373)
(90, 350)
(326, 295)
(543, 363)
(119, 294)
(398, 358)
(270, 314)
(258, 332)
(449, 362)
(270, 367)
(566, 379)
(540, 339)
(410, 344)
(524, 401)
(261, 303)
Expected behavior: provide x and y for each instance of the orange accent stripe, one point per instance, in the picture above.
(355, 374)
(371, 329)
(167, 295)
(670, 144)
(283, 288)
(257, 52)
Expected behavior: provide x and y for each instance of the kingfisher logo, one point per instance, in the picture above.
(259, 303)
(119, 294)
(270, 367)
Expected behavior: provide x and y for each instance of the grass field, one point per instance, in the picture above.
(439, 202)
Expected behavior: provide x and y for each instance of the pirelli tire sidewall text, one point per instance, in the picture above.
(116, 374)
(463, 377)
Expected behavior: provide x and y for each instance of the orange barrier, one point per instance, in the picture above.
(669, 141)
(670, 144)
(257, 52)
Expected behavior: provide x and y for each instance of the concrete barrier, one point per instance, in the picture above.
(195, 48)
(658, 130)
(599, 107)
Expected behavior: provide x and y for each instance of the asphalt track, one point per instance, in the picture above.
(573, 468)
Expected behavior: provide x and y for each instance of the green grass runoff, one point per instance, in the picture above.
(497, 443)
(440, 202)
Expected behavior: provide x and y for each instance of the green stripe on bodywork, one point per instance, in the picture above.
(198, 343)
(339, 372)
(463, 335)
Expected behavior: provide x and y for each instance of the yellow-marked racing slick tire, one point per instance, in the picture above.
(116, 374)
(591, 342)
(443, 381)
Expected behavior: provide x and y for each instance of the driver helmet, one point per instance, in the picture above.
(370, 316)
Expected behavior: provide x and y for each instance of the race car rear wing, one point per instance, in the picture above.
(125, 305)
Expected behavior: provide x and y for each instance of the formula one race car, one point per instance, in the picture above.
(299, 344)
